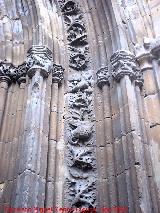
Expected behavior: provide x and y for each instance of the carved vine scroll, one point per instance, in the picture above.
(80, 190)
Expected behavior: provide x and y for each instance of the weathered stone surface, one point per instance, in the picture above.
(80, 128)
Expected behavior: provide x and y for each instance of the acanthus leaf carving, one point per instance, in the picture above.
(82, 194)
(123, 63)
(39, 57)
(20, 73)
(7, 70)
(81, 162)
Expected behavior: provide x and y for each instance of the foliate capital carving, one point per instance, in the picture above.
(21, 72)
(123, 63)
(39, 57)
(7, 70)
(103, 77)
(57, 73)
(139, 81)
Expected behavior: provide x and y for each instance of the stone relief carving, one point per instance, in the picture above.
(12, 72)
(80, 132)
(20, 73)
(7, 69)
(76, 19)
(80, 100)
(39, 57)
(82, 194)
(77, 34)
(139, 78)
(69, 7)
(103, 77)
(123, 63)
(81, 83)
(81, 162)
(57, 73)
(78, 58)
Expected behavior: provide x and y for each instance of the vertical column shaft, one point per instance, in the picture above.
(133, 169)
(57, 76)
(30, 189)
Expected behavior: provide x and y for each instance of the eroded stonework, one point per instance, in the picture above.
(80, 189)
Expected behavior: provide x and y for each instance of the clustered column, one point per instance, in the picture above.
(148, 55)
(132, 179)
(107, 156)
(30, 189)
(57, 76)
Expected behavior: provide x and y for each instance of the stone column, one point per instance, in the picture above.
(20, 77)
(57, 76)
(106, 155)
(133, 187)
(155, 50)
(30, 189)
(5, 79)
(144, 57)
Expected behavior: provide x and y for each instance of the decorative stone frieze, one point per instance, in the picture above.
(123, 63)
(80, 190)
(57, 73)
(39, 57)
(103, 77)
(80, 100)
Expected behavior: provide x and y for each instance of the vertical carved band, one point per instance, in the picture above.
(80, 190)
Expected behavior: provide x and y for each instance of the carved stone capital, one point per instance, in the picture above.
(145, 60)
(39, 57)
(103, 77)
(21, 72)
(7, 70)
(139, 81)
(155, 47)
(123, 63)
(57, 73)
(143, 54)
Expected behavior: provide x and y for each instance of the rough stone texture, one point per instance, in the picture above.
(81, 127)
